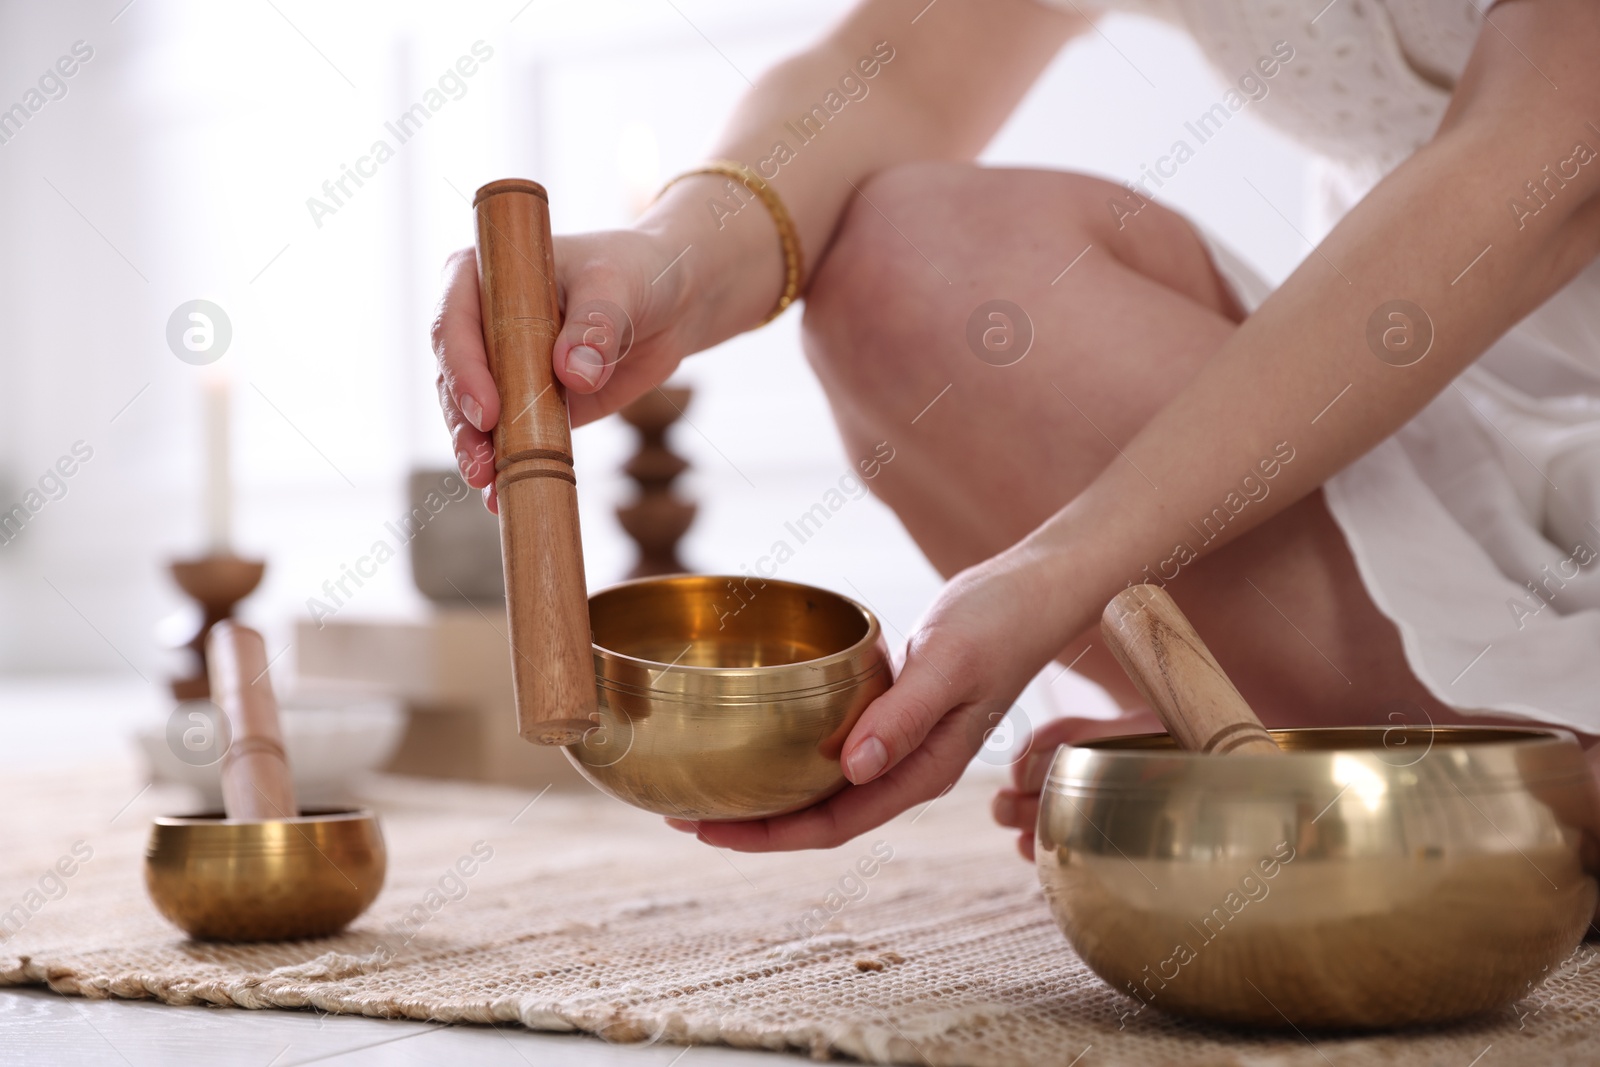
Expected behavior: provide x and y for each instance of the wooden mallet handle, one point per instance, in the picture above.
(255, 771)
(552, 663)
(1178, 676)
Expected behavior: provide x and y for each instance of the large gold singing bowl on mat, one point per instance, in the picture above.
(726, 697)
(1365, 878)
(222, 880)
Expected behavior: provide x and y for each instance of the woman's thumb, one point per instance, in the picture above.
(595, 336)
(897, 722)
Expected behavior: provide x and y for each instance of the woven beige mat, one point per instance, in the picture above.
(591, 916)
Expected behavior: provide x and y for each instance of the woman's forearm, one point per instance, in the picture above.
(1311, 382)
(878, 90)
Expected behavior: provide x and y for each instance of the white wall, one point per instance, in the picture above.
(178, 166)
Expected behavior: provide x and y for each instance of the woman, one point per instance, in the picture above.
(1366, 518)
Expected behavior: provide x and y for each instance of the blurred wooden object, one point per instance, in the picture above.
(448, 664)
(217, 583)
(657, 518)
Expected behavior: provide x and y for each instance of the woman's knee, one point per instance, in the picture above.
(926, 246)
(869, 330)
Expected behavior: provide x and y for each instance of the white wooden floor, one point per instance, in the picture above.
(40, 1028)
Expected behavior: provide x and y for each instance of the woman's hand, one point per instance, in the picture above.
(623, 332)
(980, 643)
(939, 101)
(1017, 808)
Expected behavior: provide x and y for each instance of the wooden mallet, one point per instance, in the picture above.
(1179, 677)
(547, 600)
(255, 769)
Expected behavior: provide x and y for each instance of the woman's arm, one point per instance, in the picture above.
(942, 86)
(897, 80)
(1529, 97)
(1413, 239)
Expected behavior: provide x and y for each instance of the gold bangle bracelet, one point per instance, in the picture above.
(788, 237)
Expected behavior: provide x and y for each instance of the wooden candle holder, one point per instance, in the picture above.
(217, 583)
(657, 518)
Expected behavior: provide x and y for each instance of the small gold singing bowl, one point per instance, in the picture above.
(726, 697)
(1367, 878)
(225, 880)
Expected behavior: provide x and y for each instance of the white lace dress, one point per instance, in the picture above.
(1476, 527)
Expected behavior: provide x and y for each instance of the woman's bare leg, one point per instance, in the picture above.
(985, 453)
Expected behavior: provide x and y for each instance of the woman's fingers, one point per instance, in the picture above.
(1020, 812)
(457, 335)
(1017, 807)
(467, 393)
(474, 450)
(615, 290)
(897, 722)
(1028, 774)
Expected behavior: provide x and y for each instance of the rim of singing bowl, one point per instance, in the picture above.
(307, 815)
(1488, 758)
(631, 675)
(213, 830)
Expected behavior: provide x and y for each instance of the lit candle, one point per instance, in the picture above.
(219, 487)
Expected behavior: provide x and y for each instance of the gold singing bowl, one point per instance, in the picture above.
(1366, 878)
(726, 697)
(223, 880)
